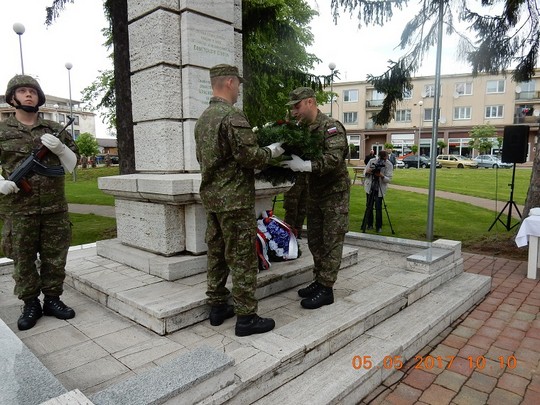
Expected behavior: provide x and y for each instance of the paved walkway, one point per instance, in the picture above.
(495, 348)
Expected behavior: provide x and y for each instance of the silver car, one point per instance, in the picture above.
(491, 161)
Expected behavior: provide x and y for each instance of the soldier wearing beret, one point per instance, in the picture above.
(228, 153)
(328, 196)
(35, 222)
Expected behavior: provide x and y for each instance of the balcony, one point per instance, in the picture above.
(528, 119)
(373, 104)
(528, 95)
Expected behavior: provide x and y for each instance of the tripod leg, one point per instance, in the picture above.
(369, 209)
(388, 216)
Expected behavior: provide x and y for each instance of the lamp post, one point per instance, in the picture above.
(332, 67)
(420, 104)
(68, 66)
(19, 30)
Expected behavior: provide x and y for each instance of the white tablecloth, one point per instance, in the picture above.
(529, 226)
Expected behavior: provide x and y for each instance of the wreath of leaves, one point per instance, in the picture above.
(296, 139)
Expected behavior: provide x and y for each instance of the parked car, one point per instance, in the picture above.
(400, 164)
(412, 161)
(491, 161)
(456, 161)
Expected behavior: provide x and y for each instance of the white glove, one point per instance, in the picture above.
(67, 156)
(8, 186)
(297, 164)
(53, 144)
(276, 149)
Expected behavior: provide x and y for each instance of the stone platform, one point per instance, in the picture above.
(391, 300)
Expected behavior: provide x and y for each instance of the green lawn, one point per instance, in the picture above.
(407, 210)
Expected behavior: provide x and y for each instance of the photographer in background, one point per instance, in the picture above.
(377, 174)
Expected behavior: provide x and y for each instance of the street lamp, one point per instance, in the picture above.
(68, 66)
(420, 104)
(332, 67)
(19, 30)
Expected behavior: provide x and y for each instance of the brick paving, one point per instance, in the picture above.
(494, 349)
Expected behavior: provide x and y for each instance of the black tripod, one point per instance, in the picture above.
(373, 194)
(509, 204)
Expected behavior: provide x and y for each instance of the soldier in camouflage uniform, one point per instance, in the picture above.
(228, 153)
(328, 197)
(35, 222)
(295, 203)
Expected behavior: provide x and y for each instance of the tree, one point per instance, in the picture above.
(441, 145)
(275, 35)
(499, 42)
(87, 145)
(116, 11)
(480, 138)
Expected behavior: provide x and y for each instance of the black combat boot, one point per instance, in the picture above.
(310, 290)
(324, 296)
(219, 313)
(53, 306)
(251, 324)
(31, 313)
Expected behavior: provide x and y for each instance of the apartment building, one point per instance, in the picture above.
(58, 109)
(465, 101)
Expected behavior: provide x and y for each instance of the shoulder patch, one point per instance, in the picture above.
(332, 130)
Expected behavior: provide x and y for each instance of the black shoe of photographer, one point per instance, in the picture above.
(53, 306)
(310, 290)
(219, 313)
(325, 296)
(379, 230)
(247, 325)
(30, 314)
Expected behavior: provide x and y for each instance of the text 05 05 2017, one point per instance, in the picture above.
(430, 362)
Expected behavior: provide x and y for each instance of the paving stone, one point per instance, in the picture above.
(470, 396)
(481, 382)
(500, 396)
(435, 394)
(449, 379)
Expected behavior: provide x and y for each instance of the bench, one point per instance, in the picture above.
(358, 173)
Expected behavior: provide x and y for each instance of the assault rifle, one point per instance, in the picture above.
(32, 164)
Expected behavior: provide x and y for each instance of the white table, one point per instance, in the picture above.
(529, 232)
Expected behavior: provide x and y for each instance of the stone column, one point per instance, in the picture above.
(172, 45)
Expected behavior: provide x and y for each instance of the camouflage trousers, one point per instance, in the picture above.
(295, 203)
(328, 222)
(26, 236)
(231, 238)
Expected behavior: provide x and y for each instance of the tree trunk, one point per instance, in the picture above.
(533, 195)
(122, 85)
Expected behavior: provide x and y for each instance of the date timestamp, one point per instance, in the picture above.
(430, 362)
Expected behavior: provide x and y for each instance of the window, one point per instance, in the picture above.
(429, 90)
(403, 116)
(61, 117)
(77, 133)
(462, 113)
(464, 89)
(407, 94)
(350, 95)
(76, 122)
(495, 86)
(494, 111)
(428, 114)
(350, 117)
(526, 90)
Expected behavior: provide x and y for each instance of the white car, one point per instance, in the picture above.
(491, 161)
(400, 164)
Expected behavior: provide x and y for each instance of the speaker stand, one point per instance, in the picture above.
(510, 203)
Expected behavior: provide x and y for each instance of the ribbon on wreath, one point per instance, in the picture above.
(276, 240)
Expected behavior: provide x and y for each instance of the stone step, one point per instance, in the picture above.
(165, 306)
(295, 361)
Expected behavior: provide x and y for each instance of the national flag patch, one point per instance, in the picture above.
(332, 130)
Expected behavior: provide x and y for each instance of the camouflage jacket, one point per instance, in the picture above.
(17, 141)
(228, 153)
(329, 173)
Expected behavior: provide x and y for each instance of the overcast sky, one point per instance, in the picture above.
(76, 37)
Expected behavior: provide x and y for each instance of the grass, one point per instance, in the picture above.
(407, 210)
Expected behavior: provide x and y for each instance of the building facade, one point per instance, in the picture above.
(58, 109)
(465, 102)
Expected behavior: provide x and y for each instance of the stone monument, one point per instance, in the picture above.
(172, 45)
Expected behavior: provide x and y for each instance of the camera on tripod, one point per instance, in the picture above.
(377, 166)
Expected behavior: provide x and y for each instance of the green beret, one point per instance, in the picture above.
(300, 94)
(225, 70)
